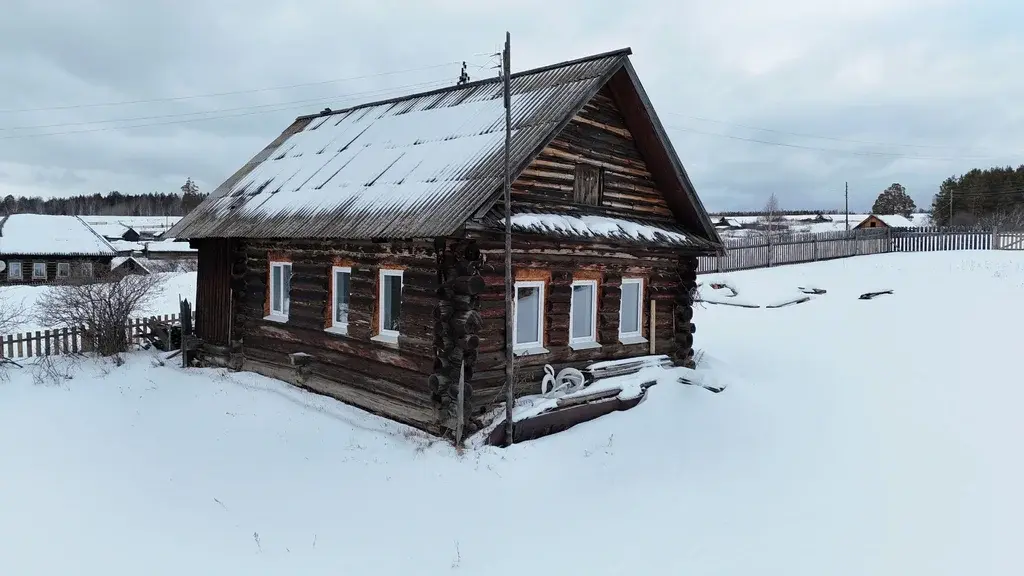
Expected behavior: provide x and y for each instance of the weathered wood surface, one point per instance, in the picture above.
(100, 265)
(665, 277)
(386, 379)
(597, 136)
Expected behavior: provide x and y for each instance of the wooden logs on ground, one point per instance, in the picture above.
(456, 322)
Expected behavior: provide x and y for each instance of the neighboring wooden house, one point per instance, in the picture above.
(885, 221)
(724, 223)
(125, 265)
(169, 249)
(116, 231)
(360, 254)
(43, 249)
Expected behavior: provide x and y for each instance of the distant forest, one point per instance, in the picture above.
(110, 204)
(990, 197)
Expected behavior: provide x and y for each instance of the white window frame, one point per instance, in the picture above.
(280, 315)
(334, 326)
(66, 267)
(87, 270)
(582, 342)
(387, 336)
(10, 270)
(34, 275)
(536, 347)
(636, 337)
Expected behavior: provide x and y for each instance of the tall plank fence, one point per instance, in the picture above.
(68, 340)
(762, 251)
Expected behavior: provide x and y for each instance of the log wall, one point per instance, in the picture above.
(665, 275)
(596, 136)
(386, 379)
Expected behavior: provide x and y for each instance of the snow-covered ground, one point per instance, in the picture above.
(856, 437)
(181, 285)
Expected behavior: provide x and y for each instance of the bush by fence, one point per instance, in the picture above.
(763, 252)
(68, 340)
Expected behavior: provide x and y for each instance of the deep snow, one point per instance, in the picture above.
(856, 437)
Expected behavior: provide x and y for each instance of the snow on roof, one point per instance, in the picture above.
(418, 166)
(895, 220)
(118, 261)
(45, 235)
(600, 227)
(111, 230)
(125, 246)
(168, 245)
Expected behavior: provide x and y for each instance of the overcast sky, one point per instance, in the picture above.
(867, 91)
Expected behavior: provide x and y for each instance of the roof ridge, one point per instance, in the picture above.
(621, 52)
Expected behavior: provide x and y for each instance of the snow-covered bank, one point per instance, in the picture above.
(855, 437)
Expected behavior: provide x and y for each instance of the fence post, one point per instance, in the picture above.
(995, 238)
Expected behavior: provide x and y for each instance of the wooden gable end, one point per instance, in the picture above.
(592, 165)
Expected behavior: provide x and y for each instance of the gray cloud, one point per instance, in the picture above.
(938, 74)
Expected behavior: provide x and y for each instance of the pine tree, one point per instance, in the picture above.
(894, 200)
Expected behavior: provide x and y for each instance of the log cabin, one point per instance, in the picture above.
(45, 249)
(361, 253)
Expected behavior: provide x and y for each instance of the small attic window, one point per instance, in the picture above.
(587, 184)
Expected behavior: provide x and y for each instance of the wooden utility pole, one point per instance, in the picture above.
(847, 206)
(510, 396)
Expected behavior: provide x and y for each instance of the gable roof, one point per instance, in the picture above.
(45, 235)
(419, 166)
(891, 220)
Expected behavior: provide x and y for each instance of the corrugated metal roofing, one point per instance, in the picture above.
(415, 167)
(45, 235)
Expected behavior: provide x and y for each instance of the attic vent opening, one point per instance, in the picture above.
(588, 184)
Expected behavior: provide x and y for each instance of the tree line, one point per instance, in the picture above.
(112, 203)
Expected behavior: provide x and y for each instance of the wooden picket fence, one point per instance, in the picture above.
(57, 341)
(762, 251)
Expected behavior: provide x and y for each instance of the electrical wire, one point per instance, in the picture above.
(321, 99)
(230, 93)
(867, 153)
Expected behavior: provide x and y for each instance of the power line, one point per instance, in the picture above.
(229, 93)
(813, 136)
(868, 153)
(249, 112)
(433, 83)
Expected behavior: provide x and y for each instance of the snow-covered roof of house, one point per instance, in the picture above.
(168, 245)
(110, 230)
(424, 165)
(45, 235)
(137, 223)
(119, 261)
(126, 246)
(895, 220)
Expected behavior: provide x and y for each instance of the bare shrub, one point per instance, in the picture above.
(102, 308)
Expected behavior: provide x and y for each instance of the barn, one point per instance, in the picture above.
(360, 254)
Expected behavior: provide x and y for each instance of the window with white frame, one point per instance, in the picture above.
(390, 303)
(14, 270)
(631, 308)
(280, 289)
(340, 276)
(87, 269)
(63, 269)
(583, 312)
(529, 315)
(39, 270)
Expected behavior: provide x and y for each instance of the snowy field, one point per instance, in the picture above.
(856, 437)
(174, 285)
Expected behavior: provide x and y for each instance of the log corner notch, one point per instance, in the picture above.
(683, 327)
(457, 321)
